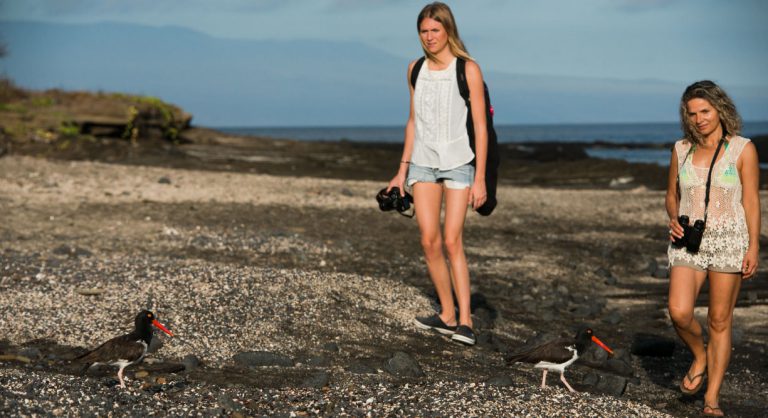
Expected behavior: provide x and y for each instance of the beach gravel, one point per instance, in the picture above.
(295, 296)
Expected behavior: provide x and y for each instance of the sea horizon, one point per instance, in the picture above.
(645, 140)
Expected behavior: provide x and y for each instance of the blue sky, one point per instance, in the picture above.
(675, 40)
(547, 61)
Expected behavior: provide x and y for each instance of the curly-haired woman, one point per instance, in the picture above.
(728, 252)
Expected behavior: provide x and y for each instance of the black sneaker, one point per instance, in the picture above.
(464, 335)
(434, 322)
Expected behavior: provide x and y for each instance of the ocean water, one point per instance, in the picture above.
(614, 133)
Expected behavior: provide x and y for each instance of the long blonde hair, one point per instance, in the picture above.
(440, 12)
(719, 99)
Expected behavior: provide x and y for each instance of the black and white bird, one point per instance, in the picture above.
(125, 350)
(556, 355)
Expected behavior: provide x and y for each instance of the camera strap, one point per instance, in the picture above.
(709, 178)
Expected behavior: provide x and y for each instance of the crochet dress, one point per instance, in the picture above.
(725, 239)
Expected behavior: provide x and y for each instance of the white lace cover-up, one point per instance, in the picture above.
(726, 238)
(441, 120)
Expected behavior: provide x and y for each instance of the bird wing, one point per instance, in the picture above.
(555, 351)
(124, 347)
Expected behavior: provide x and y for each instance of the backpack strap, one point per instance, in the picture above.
(461, 79)
(415, 71)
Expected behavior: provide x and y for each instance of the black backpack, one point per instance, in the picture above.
(492, 159)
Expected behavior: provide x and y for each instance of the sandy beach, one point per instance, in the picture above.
(291, 294)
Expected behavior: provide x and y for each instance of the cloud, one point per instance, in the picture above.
(643, 5)
(73, 8)
(342, 5)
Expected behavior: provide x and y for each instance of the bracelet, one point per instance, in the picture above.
(404, 162)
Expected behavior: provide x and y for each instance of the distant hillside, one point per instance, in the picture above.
(226, 82)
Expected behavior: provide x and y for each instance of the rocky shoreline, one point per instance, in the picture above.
(291, 294)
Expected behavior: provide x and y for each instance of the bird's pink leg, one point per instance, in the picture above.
(544, 379)
(120, 376)
(562, 377)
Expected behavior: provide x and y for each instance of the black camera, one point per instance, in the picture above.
(692, 234)
(394, 201)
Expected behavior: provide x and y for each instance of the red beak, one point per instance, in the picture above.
(600, 343)
(164, 329)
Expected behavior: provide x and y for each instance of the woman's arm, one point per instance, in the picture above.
(478, 194)
(410, 134)
(672, 201)
(749, 172)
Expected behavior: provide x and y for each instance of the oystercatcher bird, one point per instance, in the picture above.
(125, 350)
(556, 355)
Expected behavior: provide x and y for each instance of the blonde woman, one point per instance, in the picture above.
(439, 164)
(729, 247)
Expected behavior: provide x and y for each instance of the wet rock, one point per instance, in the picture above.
(316, 381)
(360, 367)
(319, 361)
(31, 352)
(649, 345)
(594, 356)
(620, 367)
(331, 347)
(612, 318)
(190, 362)
(501, 381)
(607, 276)
(590, 379)
(226, 402)
(154, 345)
(605, 383)
(71, 252)
(402, 364)
(261, 359)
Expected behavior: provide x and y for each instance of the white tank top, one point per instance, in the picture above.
(441, 120)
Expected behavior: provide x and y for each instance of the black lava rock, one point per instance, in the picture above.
(190, 362)
(501, 381)
(261, 359)
(360, 367)
(605, 383)
(71, 252)
(319, 361)
(331, 347)
(317, 381)
(607, 276)
(402, 364)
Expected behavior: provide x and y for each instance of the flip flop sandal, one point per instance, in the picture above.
(713, 409)
(690, 378)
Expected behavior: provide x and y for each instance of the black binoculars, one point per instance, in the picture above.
(394, 201)
(692, 234)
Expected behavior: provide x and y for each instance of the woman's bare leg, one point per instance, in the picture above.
(684, 287)
(455, 213)
(428, 199)
(723, 292)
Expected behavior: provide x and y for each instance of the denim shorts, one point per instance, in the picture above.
(456, 178)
